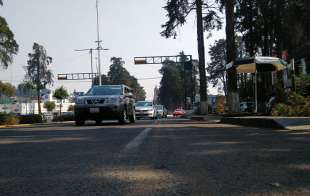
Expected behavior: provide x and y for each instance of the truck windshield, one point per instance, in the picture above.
(104, 90)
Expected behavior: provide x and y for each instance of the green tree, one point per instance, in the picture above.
(119, 75)
(7, 89)
(216, 68)
(171, 90)
(26, 89)
(37, 72)
(61, 93)
(207, 19)
(8, 45)
(49, 105)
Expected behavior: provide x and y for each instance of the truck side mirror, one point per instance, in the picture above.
(130, 95)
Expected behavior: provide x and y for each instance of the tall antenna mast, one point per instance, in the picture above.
(98, 44)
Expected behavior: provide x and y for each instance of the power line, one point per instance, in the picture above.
(149, 78)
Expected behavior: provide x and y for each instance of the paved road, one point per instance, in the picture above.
(166, 157)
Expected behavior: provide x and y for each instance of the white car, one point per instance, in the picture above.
(146, 109)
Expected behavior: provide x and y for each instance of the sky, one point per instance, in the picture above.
(127, 28)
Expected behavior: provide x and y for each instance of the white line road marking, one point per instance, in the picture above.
(137, 141)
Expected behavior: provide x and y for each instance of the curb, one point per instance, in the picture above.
(210, 119)
(15, 126)
(253, 122)
(35, 125)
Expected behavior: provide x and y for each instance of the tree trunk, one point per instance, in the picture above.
(39, 100)
(60, 106)
(201, 54)
(233, 97)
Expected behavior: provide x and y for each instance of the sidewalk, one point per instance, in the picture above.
(288, 123)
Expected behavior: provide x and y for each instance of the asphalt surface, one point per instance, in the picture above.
(165, 157)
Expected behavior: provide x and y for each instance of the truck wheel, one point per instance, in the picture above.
(132, 118)
(79, 122)
(98, 122)
(123, 118)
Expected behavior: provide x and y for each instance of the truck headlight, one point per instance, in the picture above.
(112, 100)
(79, 101)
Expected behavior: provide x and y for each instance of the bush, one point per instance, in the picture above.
(71, 108)
(296, 105)
(8, 119)
(303, 85)
(64, 117)
(31, 119)
(49, 105)
(220, 105)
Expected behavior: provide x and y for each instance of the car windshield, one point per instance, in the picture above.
(144, 103)
(159, 107)
(104, 90)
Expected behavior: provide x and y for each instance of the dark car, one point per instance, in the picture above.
(106, 102)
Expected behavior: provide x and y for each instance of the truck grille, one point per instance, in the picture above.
(95, 101)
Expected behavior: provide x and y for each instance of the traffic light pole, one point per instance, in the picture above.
(176, 59)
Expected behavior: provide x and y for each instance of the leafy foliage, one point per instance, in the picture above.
(26, 89)
(178, 10)
(61, 93)
(8, 45)
(171, 93)
(119, 75)
(8, 119)
(296, 105)
(49, 105)
(216, 68)
(70, 108)
(7, 89)
(176, 83)
(37, 72)
(31, 119)
(273, 25)
(207, 20)
(303, 85)
(220, 105)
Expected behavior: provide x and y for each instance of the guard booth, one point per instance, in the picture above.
(257, 78)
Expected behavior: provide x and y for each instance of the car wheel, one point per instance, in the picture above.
(79, 122)
(123, 117)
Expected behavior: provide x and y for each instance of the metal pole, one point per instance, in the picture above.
(91, 66)
(98, 42)
(256, 106)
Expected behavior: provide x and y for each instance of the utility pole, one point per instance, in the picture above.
(91, 58)
(87, 76)
(98, 44)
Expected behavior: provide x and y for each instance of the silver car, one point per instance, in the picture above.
(106, 102)
(146, 109)
(161, 111)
